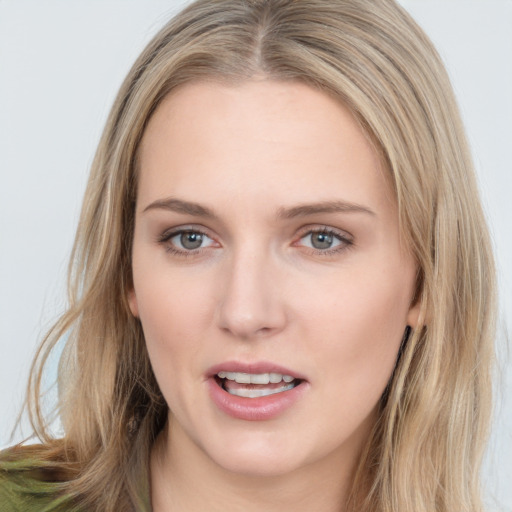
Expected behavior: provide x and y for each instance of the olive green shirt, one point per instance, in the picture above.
(27, 485)
(23, 490)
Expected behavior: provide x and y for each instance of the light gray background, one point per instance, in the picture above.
(61, 62)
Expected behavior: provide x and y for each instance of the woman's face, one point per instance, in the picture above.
(267, 250)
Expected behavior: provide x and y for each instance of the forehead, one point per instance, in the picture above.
(264, 140)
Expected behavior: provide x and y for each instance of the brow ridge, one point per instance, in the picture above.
(301, 210)
(180, 206)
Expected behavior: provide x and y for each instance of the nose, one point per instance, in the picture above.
(252, 304)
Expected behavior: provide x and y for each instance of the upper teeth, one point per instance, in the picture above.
(255, 378)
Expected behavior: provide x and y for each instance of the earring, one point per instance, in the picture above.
(401, 350)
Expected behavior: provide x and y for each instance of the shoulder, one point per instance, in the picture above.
(29, 485)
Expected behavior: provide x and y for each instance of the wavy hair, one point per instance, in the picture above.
(425, 451)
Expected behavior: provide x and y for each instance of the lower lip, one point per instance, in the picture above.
(254, 409)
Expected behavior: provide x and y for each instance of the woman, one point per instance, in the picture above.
(282, 284)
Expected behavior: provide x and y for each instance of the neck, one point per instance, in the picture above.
(184, 477)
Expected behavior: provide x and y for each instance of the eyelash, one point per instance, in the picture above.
(345, 241)
(165, 238)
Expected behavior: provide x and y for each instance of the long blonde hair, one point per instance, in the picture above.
(425, 451)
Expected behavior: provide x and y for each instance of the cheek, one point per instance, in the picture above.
(170, 304)
(174, 309)
(169, 321)
(359, 325)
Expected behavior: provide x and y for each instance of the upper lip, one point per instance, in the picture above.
(253, 368)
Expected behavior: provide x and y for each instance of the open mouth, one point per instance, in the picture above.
(255, 385)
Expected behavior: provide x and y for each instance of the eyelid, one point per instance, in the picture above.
(323, 228)
(345, 238)
(165, 237)
(170, 232)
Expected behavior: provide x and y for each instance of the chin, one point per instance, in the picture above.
(257, 466)
(259, 455)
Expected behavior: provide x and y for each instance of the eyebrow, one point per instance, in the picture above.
(177, 205)
(302, 210)
(323, 207)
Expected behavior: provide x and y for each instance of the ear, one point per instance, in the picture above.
(132, 302)
(413, 314)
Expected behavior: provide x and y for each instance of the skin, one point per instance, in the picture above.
(258, 290)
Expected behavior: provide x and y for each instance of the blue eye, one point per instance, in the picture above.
(324, 240)
(187, 240)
